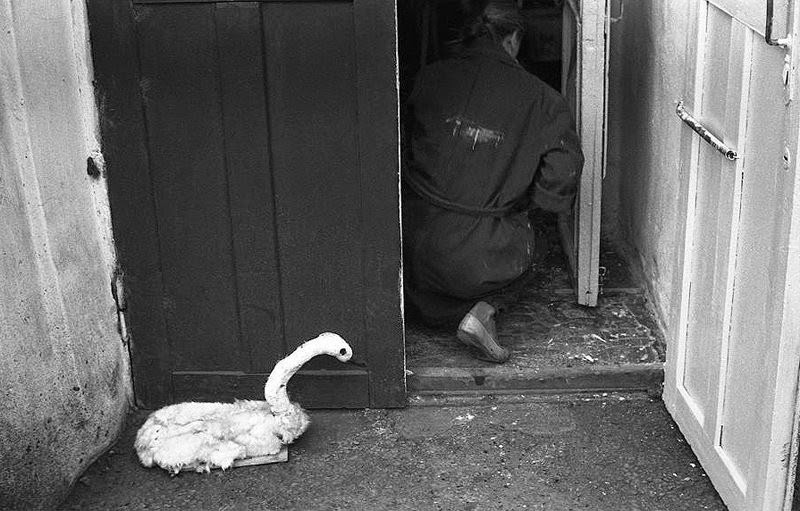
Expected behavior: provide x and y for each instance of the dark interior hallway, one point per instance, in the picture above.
(556, 344)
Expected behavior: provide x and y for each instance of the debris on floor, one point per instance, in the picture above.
(553, 337)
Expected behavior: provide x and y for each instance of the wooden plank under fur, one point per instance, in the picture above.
(281, 457)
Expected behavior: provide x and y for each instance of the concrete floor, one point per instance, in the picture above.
(572, 421)
(584, 451)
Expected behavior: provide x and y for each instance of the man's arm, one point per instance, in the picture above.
(556, 181)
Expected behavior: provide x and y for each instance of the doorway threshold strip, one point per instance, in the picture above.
(625, 377)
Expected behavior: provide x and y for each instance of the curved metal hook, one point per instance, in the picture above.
(785, 42)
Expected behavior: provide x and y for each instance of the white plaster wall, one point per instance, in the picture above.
(64, 373)
(642, 186)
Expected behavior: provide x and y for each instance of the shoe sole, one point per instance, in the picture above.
(472, 333)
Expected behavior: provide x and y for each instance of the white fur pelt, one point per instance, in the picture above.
(203, 436)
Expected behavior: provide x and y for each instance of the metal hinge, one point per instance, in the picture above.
(620, 9)
(118, 292)
(576, 11)
(602, 273)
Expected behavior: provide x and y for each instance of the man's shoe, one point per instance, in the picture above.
(478, 330)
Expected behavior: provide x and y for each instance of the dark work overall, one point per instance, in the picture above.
(486, 142)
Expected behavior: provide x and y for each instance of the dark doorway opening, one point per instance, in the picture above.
(556, 344)
(427, 29)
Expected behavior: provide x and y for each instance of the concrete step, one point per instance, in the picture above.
(502, 379)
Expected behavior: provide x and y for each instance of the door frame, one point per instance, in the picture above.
(580, 229)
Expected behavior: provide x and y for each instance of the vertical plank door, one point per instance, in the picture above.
(252, 151)
(584, 84)
(732, 370)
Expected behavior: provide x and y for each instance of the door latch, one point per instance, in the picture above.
(706, 135)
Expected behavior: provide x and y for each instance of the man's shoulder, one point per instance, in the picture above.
(534, 85)
(518, 84)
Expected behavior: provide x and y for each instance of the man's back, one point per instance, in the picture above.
(487, 139)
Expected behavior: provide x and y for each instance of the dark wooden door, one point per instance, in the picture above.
(252, 161)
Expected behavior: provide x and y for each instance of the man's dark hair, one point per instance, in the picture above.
(495, 18)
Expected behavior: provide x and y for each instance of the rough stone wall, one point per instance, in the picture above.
(642, 186)
(64, 373)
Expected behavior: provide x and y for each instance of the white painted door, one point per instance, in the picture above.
(732, 373)
(585, 85)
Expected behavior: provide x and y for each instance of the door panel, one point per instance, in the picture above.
(268, 197)
(754, 325)
(179, 72)
(251, 194)
(731, 358)
(716, 182)
(317, 226)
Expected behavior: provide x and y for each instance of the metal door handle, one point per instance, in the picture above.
(706, 135)
(768, 29)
